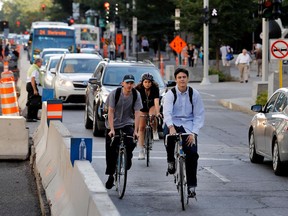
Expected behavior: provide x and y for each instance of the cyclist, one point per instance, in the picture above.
(183, 117)
(149, 91)
(121, 117)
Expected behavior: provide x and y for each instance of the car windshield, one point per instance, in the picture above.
(113, 76)
(79, 65)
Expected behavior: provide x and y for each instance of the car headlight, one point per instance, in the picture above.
(65, 83)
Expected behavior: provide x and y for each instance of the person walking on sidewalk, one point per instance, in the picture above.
(149, 92)
(258, 56)
(183, 115)
(242, 62)
(32, 88)
(120, 117)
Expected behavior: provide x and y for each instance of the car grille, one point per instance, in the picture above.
(80, 84)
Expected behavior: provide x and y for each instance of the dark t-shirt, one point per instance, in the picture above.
(154, 93)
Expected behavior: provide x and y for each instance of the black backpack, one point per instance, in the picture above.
(117, 96)
(190, 95)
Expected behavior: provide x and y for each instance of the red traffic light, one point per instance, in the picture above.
(43, 6)
(268, 3)
(71, 21)
(18, 23)
(106, 5)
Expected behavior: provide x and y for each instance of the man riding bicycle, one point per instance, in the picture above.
(183, 115)
(120, 116)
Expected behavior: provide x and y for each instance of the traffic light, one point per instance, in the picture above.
(267, 9)
(260, 8)
(205, 16)
(18, 23)
(43, 6)
(117, 22)
(4, 25)
(71, 21)
(276, 12)
(107, 12)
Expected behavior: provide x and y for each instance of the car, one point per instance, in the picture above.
(46, 75)
(46, 51)
(107, 77)
(268, 131)
(89, 50)
(71, 76)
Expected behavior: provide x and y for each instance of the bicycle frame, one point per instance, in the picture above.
(148, 139)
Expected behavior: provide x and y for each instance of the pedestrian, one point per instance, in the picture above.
(112, 49)
(122, 49)
(195, 55)
(242, 62)
(145, 44)
(149, 91)
(183, 112)
(224, 52)
(190, 54)
(258, 57)
(33, 89)
(120, 117)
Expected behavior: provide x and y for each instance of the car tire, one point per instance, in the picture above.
(277, 164)
(87, 121)
(254, 157)
(96, 131)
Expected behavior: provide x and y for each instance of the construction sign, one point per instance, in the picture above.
(178, 44)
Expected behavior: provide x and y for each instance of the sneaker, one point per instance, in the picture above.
(110, 182)
(141, 154)
(155, 135)
(191, 192)
(171, 167)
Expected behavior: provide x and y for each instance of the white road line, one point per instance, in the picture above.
(165, 158)
(218, 175)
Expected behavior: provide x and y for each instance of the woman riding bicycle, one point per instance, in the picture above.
(149, 91)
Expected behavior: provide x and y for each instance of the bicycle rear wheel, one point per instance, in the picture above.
(121, 172)
(182, 182)
(147, 144)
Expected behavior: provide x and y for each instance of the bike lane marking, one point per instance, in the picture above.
(218, 175)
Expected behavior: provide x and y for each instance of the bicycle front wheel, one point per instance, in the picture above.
(148, 139)
(121, 172)
(182, 182)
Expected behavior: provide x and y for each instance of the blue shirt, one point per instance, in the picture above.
(181, 112)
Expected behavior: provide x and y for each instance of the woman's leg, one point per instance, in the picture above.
(152, 111)
(142, 124)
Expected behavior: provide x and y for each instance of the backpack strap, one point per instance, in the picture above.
(175, 95)
(134, 92)
(117, 95)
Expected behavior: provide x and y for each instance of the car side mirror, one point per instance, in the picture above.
(94, 81)
(257, 108)
(171, 83)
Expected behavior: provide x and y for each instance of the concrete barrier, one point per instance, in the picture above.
(69, 190)
(21, 85)
(13, 138)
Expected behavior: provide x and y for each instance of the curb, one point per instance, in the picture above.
(233, 106)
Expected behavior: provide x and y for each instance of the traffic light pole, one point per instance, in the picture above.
(205, 80)
(265, 49)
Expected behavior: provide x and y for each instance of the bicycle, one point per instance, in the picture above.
(120, 176)
(180, 178)
(148, 136)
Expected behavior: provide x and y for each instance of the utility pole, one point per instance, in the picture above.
(205, 80)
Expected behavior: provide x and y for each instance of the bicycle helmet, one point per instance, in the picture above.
(146, 76)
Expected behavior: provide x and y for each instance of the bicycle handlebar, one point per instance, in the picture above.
(177, 135)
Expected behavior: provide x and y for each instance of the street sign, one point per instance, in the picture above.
(178, 44)
(279, 49)
(134, 25)
(119, 39)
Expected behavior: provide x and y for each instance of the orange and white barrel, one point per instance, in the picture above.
(9, 103)
(6, 66)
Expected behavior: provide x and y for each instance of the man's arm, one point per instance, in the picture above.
(33, 83)
(111, 121)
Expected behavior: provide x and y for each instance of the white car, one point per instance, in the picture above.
(72, 74)
(46, 51)
(47, 76)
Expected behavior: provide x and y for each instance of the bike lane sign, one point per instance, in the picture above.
(279, 49)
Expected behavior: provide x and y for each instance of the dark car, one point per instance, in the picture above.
(268, 132)
(107, 77)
